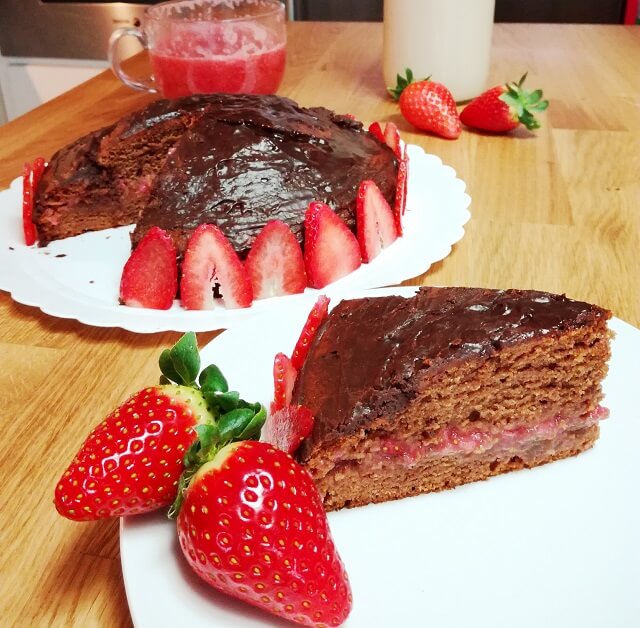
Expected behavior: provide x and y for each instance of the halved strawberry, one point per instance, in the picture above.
(374, 220)
(150, 275)
(401, 192)
(316, 317)
(392, 138)
(275, 263)
(209, 263)
(376, 130)
(331, 251)
(30, 176)
(284, 378)
(287, 427)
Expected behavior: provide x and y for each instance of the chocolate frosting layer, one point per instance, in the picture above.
(251, 159)
(241, 161)
(367, 353)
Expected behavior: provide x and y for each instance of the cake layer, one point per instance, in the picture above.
(75, 194)
(351, 486)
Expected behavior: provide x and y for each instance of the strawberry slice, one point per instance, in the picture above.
(210, 263)
(150, 275)
(316, 317)
(30, 176)
(331, 251)
(401, 192)
(392, 138)
(376, 130)
(375, 221)
(28, 227)
(275, 263)
(284, 378)
(287, 427)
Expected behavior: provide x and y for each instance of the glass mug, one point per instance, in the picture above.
(208, 46)
(448, 41)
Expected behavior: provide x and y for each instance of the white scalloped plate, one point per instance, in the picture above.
(557, 545)
(79, 277)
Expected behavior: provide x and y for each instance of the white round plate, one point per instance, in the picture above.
(79, 277)
(554, 546)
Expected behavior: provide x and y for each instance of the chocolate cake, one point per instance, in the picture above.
(236, 161)
(453, 385)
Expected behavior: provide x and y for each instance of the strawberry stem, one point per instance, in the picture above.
(402, 82)
(523, 102)
(235, 418)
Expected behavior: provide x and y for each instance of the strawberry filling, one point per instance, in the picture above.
(454, 441)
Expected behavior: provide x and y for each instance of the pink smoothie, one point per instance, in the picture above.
(235, 61)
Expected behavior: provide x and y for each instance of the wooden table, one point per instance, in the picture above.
(557, 211)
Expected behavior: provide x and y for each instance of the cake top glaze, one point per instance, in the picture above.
(246, 160)
(368, 352)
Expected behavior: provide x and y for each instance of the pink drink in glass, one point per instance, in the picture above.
(229, 58)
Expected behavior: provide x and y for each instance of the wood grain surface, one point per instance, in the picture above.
(558, 210)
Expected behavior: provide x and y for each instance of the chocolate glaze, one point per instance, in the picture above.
(251, 159)
(367, 353)
(242, 161)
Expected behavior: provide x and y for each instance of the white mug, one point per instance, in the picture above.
(447, 40)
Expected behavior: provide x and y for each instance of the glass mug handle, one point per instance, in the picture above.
(114, 59)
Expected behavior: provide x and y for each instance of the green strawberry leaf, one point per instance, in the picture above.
(233, 423)
(402, 82)
(212, 380)
(253, 428)
(208, 435)
(522, 103)
(228, 401)
(186, 359)
(167, 369)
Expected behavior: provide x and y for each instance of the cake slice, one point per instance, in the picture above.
(453, 385)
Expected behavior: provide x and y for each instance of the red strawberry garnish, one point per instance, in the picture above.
(375, 221)
(284, 378)
(392, 138)
(504, 107)
(331, 251)
(252, 525)
(316, 317)
(287, 427)
(210, 263)
(376, 130)
(400, 202)
(30, 176)
(275, 263)
(150, 275)
(427, 105)
(132, 461)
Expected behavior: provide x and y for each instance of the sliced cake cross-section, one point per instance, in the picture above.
(453, 385)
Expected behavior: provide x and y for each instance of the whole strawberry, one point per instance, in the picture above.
(252, 525)
(428, 105)
(504, 107)
(132, 461)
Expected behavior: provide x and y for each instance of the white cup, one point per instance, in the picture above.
(448, 40)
